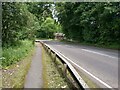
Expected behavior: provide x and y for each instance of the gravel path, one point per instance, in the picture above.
(34, 76)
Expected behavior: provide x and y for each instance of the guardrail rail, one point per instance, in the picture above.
(81, 83)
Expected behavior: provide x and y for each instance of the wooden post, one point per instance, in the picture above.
(54, 58)
(65, 69)
(47, 49)
(49, 52)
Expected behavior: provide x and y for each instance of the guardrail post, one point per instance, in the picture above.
(54, 58)
(65, 69)
(44, 47)
(47, 49)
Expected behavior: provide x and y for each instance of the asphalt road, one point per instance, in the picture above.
(101, 63)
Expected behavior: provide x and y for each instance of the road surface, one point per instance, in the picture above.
(101, 63)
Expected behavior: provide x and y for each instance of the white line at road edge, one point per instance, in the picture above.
(102, 82)
(98, 53)
(88, 72)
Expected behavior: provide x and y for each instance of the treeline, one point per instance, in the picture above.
(90, 22)
(17, 23)
(48, 28)
(84, 22)
(22, 21)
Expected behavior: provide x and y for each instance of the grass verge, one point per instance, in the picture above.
(90, 83)
(52, 75)
(13, 76)
(14, 54)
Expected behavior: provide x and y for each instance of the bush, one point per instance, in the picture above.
(14, 54)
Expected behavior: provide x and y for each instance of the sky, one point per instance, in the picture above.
(54, 12)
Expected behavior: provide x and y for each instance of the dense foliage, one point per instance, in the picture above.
(96, 23)
(85, 22)
(43, 11)
(17, 23)
(15, 54)
(90, 22)
(48, 28)
(40, 9)
(26, 21)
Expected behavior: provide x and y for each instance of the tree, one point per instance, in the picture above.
(48, 28)
(40, 9)
(17, 23)
(90, 22)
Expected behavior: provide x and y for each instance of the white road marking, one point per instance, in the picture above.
(99, 53)
(102, 82)
(88, 72)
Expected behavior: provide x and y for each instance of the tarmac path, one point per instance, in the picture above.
(34, 76)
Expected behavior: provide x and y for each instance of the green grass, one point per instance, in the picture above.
(16, 63)
(14, 76)
(14, 54)
(70, 79)
(52, 76)
(89, 82)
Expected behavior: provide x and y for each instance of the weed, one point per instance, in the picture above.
(51, 75)
(14, 54)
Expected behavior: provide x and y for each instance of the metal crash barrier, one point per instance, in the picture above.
(67, 66)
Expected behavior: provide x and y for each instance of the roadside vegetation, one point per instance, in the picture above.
(21, 24)
(53, 75)
(91, 23)
(16, 61)
(14, 75)
(14, 54)
(18, 34)
(87, 23)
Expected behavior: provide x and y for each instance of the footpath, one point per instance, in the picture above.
(34, 76)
